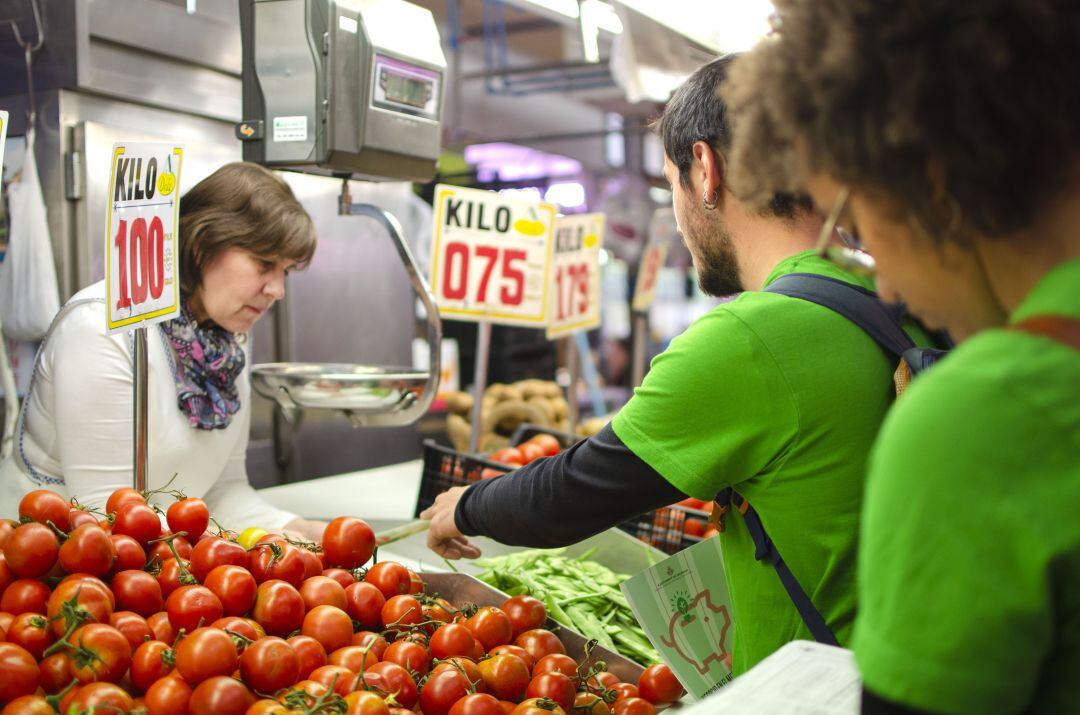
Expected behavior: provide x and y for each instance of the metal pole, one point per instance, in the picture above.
(483, 350)
(141, 419)
(573, 365)
(641, 344)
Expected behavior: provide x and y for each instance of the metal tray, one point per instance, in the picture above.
(366, 393)
(461, 588)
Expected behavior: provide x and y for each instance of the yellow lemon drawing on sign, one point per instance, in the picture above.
(167, 181)
(533, 227)
(591, 240)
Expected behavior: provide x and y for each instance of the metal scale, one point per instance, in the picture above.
(350, 89)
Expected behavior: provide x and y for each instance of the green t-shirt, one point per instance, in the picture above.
(969, 569)
(782, 399)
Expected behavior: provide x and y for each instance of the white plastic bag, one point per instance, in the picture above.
(29, 297)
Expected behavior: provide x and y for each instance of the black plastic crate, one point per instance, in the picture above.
(665, 527)
(445, 468)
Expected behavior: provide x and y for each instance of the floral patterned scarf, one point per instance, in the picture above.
(208, 362)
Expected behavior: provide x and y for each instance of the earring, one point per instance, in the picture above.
(709, 205)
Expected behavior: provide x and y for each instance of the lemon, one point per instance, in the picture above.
(590, 240)
(529, 228)
(250, 536)
(166, 183)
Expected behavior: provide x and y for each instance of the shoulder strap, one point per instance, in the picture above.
(1063, 329)
(862, 307)
(765, 550)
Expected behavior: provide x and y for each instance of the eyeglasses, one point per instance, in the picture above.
(847, 257)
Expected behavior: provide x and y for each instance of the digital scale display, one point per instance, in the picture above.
(405, 87)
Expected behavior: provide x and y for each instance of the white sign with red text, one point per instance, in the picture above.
(491, 257)
(142, 274)
(574, 302)
(662, 229)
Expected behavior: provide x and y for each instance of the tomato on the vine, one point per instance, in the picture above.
(365, 702)
(348, 542)
(491, 627)
(409, 655)
(100, 698)
(137, 591)
(633, 706)
(525, 613)
(590, 704)
(538, 706)
(172, 576)
(121, 497)
(515, 650)
(278, 608)
(390, 577)
(168, 696)
(32, 550)
(506, 676)
(205, 653)
(311, 653)
(101, 653)
(44, 506)
(161, 550)
(132, 626)
(443, 689)
(55, 671)
(234, 586)
(190, 607)
(453, 639)
(190, 515)
(220, 695)
(152, 661)
(329, 625)
(659, 685)
(21, 675)
(624, 691)
(345, 578)
(554, 686)
(130, 554)
(401, 612)
(161, 628)
(477, 704)
(215, 551)
(29, 705)
(277, 560)
(373, 641)
(323, 591)
(336, 677)
(468, 668)
(138, 521)
(86, 600)
(240, 626)
(364, 603)
(78, 517)
(25, 595)
(540, 642)
(269, 664)
(31, 631)
(557, 663)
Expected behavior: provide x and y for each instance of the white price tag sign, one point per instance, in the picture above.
(3, 138)
(652, 260)
(575, 268)
(491, 257)
(142, 276)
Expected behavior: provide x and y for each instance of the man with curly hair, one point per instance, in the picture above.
(947, 133)
(774, 396)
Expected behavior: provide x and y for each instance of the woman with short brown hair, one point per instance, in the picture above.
(241, 232)
(946, 135)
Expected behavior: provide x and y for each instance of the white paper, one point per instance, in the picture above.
(802, 678)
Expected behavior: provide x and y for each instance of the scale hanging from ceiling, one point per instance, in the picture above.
(350, 89)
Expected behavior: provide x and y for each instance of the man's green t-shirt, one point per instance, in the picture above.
(969, 568)
(780, 398)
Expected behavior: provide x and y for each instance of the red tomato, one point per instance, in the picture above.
(161, 628)
(489, 473)
(100, 698)
(694, 527)
(416, 584)
(88, 598)
(32, 632)
(7, 528)
(633, 706)
(130, 555)
(7, 576)
(525, 613)
(390, 577)
(78, 517)
(364, 603)
(205, 653)
(32, 550)
(554, 686)
(410, 656)
(220, 695)
(313, 565)
(466, 667)
(363, 702)
(138, 521)
(172, 576)
(453, 639)
(122, 496)
(234, 586)
(509, 456)
(531, 452)
(323, 591)
(278, 608)
(161, 551)
(377, 643)
(240, 626)
(55, 673)
(28, 705)
(401, 612)
(25, 595)
(190, 607)
(189, 515)
(439, 610)
(342, 576)
(132, 626)
(215, 551)
(137, 591)
(558, 663)
(515, 650)
(269, 664)
(355, 658)
(540, 642)
(443, 689)
(659, 685)
(624, 691)
(491, 627)
(549, 443)
(536, 706)
(277, 560)
(477, 704)
(348, 543)
(329, 625)
(43, 506)
(506, 676)
(590, 704)
(601, 682)
(152, 661)
(168, 696)
(311, 653)
(104, 654)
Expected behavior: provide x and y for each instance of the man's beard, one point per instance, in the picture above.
(714, 257)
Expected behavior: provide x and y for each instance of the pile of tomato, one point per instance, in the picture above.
(116, 612)
(541, 445)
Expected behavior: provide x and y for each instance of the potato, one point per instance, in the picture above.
(458, 430)
(560, 407)
(459, 402)
(549, 411)
(506, 416)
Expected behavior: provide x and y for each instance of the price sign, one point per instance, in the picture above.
(491, 257)
(574, 302)
(652, 260)
(142, 276)
(3, 137)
